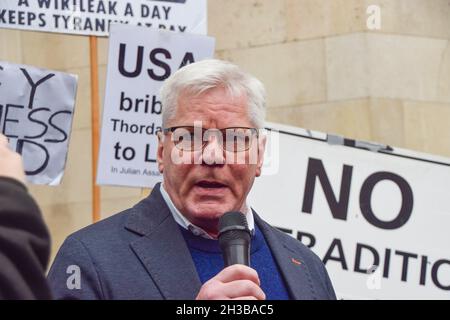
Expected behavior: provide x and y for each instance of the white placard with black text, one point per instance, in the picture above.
(379, 220)
(94, 17)
(36, 113)
(140, 59)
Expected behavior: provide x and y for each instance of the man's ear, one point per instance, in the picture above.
(160, 151)
(261, 149)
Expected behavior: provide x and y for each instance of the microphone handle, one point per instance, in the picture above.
(236, 254)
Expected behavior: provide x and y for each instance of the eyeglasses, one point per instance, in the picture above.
(233, 139)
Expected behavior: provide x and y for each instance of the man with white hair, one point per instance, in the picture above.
(166, 247)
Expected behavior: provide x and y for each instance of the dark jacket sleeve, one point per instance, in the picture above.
(24, 244)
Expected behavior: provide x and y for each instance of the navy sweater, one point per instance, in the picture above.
(208, 260)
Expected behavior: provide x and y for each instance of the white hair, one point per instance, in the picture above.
(204, 75)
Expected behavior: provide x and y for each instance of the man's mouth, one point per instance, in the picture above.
(210, 189)
(206, 184)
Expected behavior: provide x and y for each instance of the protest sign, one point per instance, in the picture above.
(36, 112)
(139, 61)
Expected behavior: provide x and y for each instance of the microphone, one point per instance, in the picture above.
(234, 239)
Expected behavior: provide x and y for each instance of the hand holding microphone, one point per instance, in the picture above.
(237, 281)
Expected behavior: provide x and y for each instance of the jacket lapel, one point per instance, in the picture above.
(162, 249)
(166, 257)
(292, 267)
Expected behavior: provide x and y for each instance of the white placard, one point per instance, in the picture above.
(94, 17)
(140, 59)
(36, 113)
(360, 208)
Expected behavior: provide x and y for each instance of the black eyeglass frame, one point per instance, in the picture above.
(222, 130)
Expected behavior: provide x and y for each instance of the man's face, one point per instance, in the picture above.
(209, 185)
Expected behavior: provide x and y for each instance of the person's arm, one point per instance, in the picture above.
(24, 238)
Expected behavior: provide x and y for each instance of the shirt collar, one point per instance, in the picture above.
(186, 224)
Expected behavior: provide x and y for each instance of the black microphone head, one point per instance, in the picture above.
(232, 219)
(234, 238)
(233, 226)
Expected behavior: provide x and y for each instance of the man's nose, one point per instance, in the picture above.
(213, 153)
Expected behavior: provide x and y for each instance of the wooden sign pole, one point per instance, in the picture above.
(95, 117)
